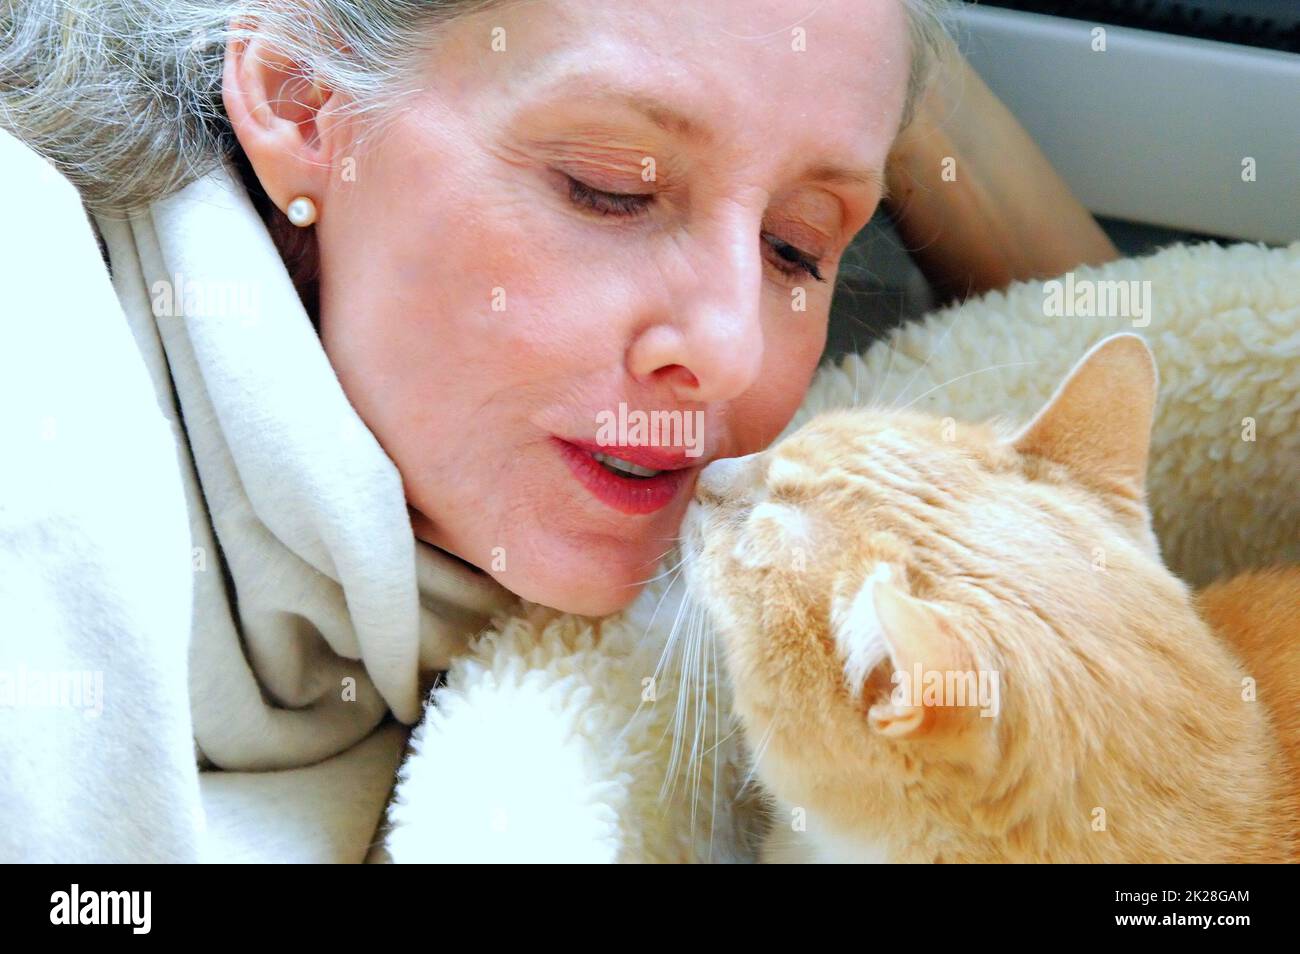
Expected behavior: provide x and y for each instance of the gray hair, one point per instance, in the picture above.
(124, 96)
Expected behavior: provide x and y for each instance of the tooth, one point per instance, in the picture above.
(625, 466)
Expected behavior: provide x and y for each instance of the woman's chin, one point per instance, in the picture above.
(586, 587)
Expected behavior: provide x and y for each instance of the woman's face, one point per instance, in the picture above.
(486, 316)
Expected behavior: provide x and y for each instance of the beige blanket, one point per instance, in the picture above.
(201, 541)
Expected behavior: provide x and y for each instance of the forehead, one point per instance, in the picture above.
(831, 451)
(893, 448)
(833, 71)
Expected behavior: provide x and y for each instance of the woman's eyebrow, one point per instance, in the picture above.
(829, 172)
(664, 115)
(672, 120)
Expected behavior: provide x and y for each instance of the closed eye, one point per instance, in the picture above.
(798, 262)
(790, 261)
(625, 204)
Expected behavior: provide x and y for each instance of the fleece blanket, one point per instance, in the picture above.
(211, 598)
(611, 736)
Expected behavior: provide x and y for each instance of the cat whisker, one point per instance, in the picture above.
(889, 367)
(699, 674)
(723, 740)
(695, 736)
(717, 731)
(668, 642)
(659, 576)
(676, 723)
(961, 377)
(757, 756)
(933, 351)
(682, 669)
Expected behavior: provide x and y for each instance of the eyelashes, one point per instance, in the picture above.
(626, 205)
(800, 262)
(792, 261)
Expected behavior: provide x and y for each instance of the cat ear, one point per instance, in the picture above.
(922, 638)
(1098, 423)
(884, 625)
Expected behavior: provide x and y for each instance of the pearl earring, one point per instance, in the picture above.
(301, 211)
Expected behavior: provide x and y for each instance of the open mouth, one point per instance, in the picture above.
(630, 487)
(624, 468)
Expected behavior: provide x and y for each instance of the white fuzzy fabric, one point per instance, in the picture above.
(193, 515)
(540, 746)
(94, 554)
(550, 744)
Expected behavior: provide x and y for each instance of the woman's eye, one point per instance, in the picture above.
(793, 262)
(790, 261)
(626, 204)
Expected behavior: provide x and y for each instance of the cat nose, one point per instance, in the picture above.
(724, 477)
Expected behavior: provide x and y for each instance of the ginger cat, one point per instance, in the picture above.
(948, 644)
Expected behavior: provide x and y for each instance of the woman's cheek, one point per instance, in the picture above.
(792, 353)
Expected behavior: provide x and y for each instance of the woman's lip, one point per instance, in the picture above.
(652, 458)
(630, 495)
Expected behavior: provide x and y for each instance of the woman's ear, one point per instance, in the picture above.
(285, 122)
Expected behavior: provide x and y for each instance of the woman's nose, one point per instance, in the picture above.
(708, 345)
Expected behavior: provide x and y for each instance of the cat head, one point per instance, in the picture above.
(986, 567)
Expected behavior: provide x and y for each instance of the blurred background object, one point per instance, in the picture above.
(1185, 126)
